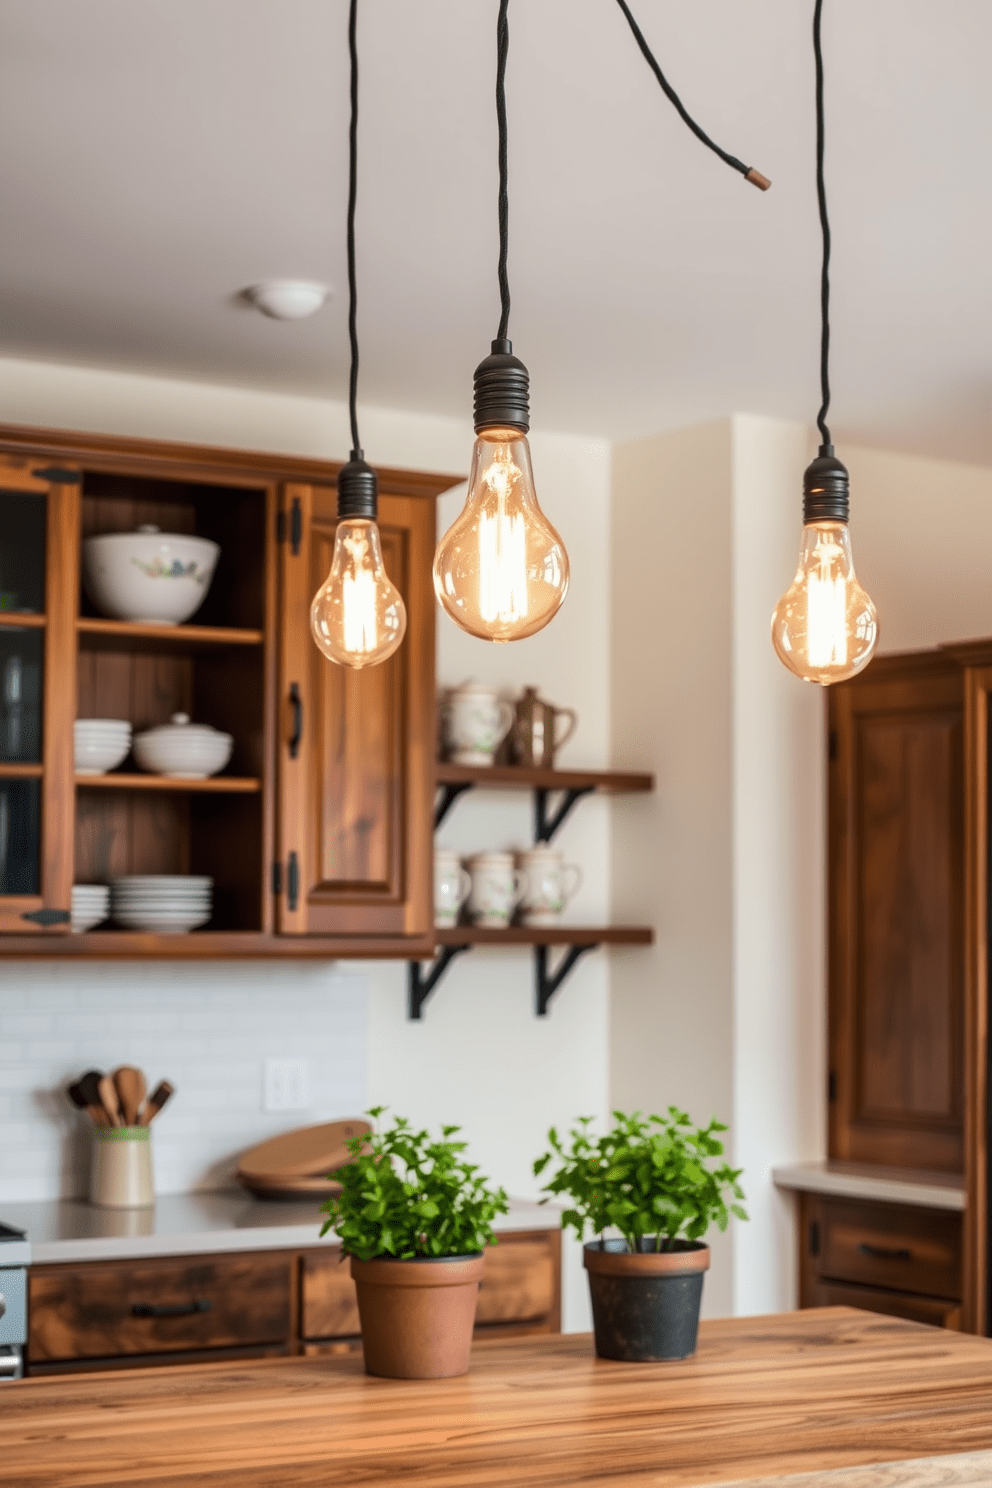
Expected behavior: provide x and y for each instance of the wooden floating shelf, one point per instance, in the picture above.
(525, 777)
(180, 635)
(217, 784)
(577, 941)
(198, 945)
(23, 619)
(12, 771)
(545, 935)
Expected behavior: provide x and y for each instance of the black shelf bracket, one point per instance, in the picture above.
(449, 795)
(421, 983)
(548, 983)
(545, 825)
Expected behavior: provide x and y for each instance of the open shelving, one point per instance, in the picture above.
(569, 786)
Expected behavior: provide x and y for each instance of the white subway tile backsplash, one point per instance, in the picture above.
(207, 1028)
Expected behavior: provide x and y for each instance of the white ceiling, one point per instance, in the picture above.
(158, 155)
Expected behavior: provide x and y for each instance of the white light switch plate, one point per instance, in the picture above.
(286, 1082)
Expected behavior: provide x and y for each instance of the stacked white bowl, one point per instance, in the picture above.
(164, 903)
(90, 906)
(100, 744)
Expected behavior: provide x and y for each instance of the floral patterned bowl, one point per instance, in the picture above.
(151, 577)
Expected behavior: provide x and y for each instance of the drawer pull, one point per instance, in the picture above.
(178, 1309)
(885, 1253)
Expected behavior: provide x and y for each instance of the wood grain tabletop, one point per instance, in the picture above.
(763, 1398)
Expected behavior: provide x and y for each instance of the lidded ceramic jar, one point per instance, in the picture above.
(184, 750)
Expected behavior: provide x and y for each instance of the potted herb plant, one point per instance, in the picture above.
(648, 1178)
(414, 1217)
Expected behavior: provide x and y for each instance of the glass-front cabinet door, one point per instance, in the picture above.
(39, 567)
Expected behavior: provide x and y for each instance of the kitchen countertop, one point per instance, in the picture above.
(860, 1181)
(195, 1224)
(764, 1397)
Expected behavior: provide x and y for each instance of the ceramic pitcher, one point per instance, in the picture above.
(476, 720)
(547, 884)
(496, 889)
(452, 886)
(537, 731)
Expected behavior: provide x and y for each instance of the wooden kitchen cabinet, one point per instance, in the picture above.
(317, 834)
(900, 1259)
(119, 1314)
(356, 788)
(896, 914)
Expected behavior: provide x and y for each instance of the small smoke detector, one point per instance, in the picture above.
(288, 299)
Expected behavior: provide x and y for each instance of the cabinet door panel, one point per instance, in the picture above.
(356, 788)
(38, 602)
(896, 864)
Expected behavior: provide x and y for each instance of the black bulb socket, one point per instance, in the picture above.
(358, 489)
(502, 391)
(826, 489)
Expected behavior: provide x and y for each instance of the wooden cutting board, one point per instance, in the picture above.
(289, 1189)
(310, 1152)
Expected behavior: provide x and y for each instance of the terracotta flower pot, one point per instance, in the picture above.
(417, 1316)
(645, 1305)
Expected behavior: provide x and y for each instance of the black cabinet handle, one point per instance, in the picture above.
(177, 1309)
(885, 1253)
(292, 881)
(47, 916)
(296, 703)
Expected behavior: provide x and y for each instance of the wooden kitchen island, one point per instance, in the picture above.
(763, 1398)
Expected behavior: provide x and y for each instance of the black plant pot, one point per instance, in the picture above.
(645, 1305)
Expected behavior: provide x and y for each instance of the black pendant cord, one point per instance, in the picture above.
(502, 47)
(747, 171)
(821, 193)
(826, 494)
(356, 443)
(357, 485)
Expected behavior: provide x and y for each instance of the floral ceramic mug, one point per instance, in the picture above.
(496, 889)
(476, 721)
(547, 884)
(452, 886)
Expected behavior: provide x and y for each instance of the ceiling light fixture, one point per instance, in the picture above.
(358, 617)
(501, 570)
(288, 299)
(824, 627)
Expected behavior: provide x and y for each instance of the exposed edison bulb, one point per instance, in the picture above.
(358, 617)
(824, 627)
(501, 570)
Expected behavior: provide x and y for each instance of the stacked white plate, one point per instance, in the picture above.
(164, 903)
(100, 744)
(90, 906)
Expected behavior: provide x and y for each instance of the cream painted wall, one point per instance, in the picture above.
(480, 1056)
(922, 536)
(778, 804)
(671, 1018)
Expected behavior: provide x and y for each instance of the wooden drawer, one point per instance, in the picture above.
(103, 1309)
(898, 1247)
(520, 1282)
(328, 1304)
(520, 1286)
(937, 1311)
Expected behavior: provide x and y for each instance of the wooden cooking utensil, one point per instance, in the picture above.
(310, 1152)
(130, 1086)
(163, 1090)
(96, 1113)
(109, 1101)
(89, 1084)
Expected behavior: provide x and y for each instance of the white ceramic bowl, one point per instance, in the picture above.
(162, 921)
(99, 744)
(90, 906)
(184, 750)
(152, 577)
